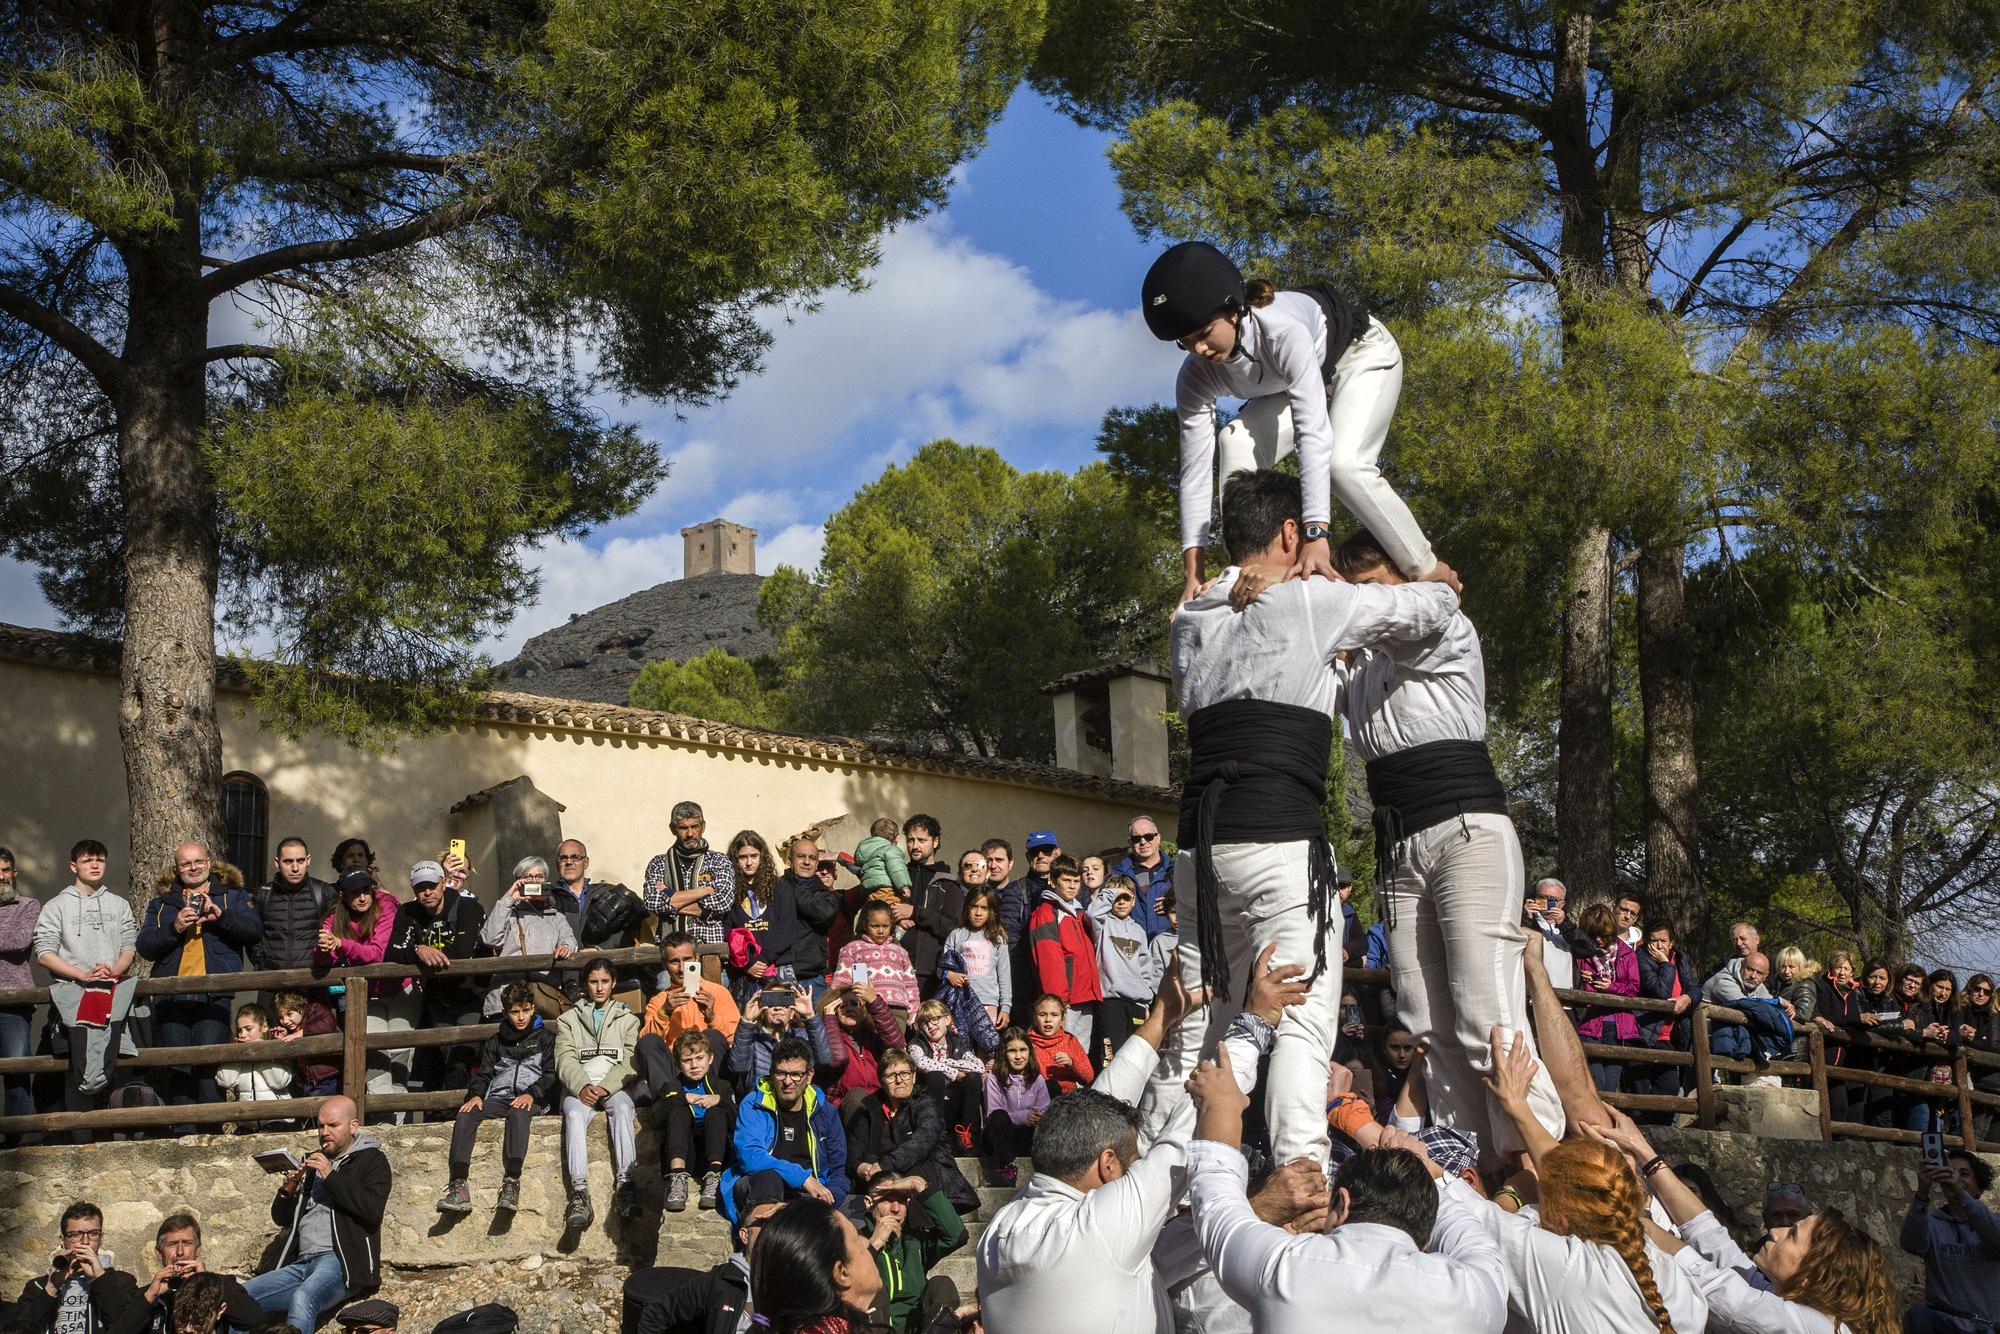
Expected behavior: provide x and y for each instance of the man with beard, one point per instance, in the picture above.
(937, 900)
(691, 887)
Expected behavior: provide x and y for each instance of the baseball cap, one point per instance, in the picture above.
(356, 880)
(426, 872)
(1043, 838)
(374, 1311)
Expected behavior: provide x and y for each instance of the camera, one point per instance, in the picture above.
(1933, 1149)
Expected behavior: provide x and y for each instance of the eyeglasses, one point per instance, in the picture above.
(900, 1075)
(80, 1233)
(570, 857)
(789, 1076)
(1145, 838)
(190, 865)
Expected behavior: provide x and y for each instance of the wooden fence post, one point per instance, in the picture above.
(354, 1051)
(1704, 1071)
(1816, 1052)
(1961, 1078)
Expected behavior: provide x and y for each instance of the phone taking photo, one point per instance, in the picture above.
(1933, 1148)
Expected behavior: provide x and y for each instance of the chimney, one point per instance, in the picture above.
(718, 547)
(1108, 721)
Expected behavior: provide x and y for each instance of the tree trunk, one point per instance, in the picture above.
(1673, 885)
(166, 714)
(1583, 739)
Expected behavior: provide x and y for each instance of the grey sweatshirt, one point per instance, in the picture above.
(84, 930)
(1126, 966)
(1961, 1258)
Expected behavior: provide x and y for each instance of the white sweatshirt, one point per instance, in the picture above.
(1281, 647)
(1374, 1277)
(1405, 693)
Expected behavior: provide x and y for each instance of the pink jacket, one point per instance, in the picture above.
(350, 951)
(1619, 978)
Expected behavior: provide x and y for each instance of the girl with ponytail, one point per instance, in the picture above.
(1822, 1275)
(1587, 1266)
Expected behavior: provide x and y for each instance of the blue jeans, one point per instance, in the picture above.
(191, 1021)
(17, 1039)
(304, 1290)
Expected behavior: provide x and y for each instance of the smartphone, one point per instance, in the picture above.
(691, 976)
(1933, 1149)
(859, 972)
(1549, 904)
(456, 848)
(776, 997)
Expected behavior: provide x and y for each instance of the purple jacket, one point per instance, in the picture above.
(17, 941)
(1601, 1025)
(1017, 1097)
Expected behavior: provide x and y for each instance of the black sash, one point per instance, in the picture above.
(1427, 785)
(1257, 774)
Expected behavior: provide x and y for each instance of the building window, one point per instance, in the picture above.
(246, 824)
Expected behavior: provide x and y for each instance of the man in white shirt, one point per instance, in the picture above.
(1258, 692)
(1546, 910)
(1371, 1266)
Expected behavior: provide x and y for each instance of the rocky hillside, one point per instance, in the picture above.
(597, 654)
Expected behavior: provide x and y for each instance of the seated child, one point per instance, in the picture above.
(948, 1071)
(1016, 1097)
(517, 1071)
(253, 1081)
(874, 959)
(1061, 1057)
(700, 1105)
(982, 943)
(298, 1017)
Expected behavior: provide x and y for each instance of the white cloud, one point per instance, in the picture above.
(577, 577)
(763, 509)
(801, 545)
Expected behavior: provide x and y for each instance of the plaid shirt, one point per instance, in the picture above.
(705, 923)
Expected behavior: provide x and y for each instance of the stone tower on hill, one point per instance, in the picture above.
(718, 547)
(598, 653)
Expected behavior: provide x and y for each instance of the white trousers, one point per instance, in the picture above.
(1263, 899)
(623, 1134)
(1360, 401)
(1454, 911)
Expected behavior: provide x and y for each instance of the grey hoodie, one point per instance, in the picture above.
(1126, 967)
(84, 930)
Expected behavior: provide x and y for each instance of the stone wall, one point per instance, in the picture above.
(137, 1183)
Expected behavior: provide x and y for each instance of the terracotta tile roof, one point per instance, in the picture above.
(1106, 671)
(84, 653)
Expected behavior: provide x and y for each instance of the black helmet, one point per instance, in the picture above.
(1186, 287)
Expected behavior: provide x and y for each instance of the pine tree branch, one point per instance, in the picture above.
(242, 351)
(104, 366)
(422, 227)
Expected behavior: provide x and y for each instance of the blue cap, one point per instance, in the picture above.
(1043, 838)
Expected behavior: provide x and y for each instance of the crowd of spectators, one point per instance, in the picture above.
(827, 1041)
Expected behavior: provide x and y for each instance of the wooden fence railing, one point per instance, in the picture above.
(1703, 1063)
(354, 1043)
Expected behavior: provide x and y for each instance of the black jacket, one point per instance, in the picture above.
(915, 1140)
(610, 921)
(531, 1055)
(817, 908)
(112, 1298)
(706, 1304)
(291, 919)
(938, 901)
(1656, 980)
(776, 928)
(455, 931)
(358, 1194)
(239, 1307)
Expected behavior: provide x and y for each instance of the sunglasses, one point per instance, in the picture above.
(1145, 838)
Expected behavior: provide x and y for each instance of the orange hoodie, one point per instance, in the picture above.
(1062, 1078)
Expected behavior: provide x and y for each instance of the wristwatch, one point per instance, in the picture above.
(1315, 532)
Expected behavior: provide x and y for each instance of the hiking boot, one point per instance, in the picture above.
(964, 1134)
(1005, 1174)
(510, 1196)
(626, 1200)
(457, 1198)
(711, 1188)
(581, 1214)
(677, 1192)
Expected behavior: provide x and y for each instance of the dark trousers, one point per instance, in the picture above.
(655, 1062)
(446, 1067)
(74, 1098)
(1006, 1138)
(513, 1147)
(679, 1131)
(17, 1038)
(959, 1101)
(1607, 1075)
(1116, 1018)
(191, 1021)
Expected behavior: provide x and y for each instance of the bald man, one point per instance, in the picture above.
(330, 1207)
(202, 925)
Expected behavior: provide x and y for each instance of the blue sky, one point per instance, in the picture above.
(1008, 318)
